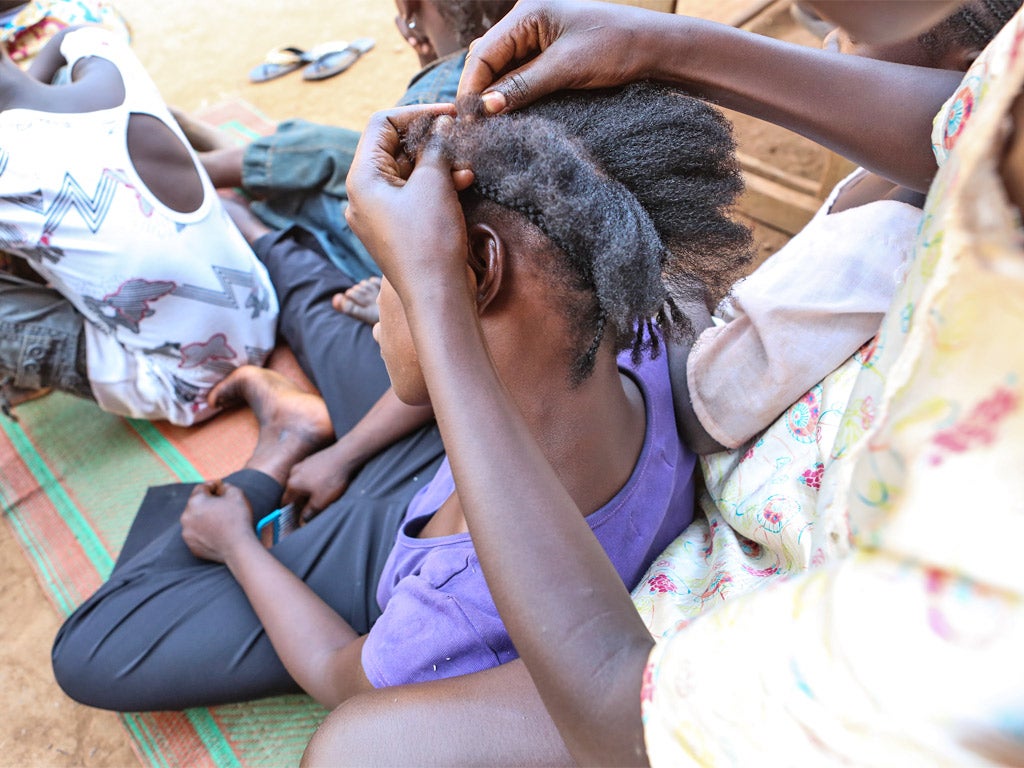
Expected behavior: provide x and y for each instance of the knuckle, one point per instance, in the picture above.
(517, 89)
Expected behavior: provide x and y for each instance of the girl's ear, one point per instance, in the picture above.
(487, 260)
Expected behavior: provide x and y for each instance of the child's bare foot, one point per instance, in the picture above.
(293, 423)
(360, 301)
(248, 223)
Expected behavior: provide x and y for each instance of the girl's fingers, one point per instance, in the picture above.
(308, 513)
(208, 488)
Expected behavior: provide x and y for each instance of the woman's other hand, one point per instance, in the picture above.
(216, 520)
(546, 46)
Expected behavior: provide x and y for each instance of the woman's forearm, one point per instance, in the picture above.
(306, 633)
(877, 114)
(563, 603)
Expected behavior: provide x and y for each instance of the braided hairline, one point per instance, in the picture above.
(611, 248)
(645, 333)
(584, 363)
(535, 217)
(973, 25)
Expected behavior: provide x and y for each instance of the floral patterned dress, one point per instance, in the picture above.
(906, 651)
(26, 32)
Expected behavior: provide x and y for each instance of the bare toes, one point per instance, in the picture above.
(360, 301)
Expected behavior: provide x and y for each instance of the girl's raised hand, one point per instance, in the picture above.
(406, 210)
(543, 46)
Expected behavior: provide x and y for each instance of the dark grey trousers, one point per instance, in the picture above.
(170, 631)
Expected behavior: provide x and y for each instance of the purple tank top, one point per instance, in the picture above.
(438, 616)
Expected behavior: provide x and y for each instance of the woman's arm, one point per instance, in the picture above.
(494, 717)
(317, 647)
(564, 605)
(694, 434)
(875, 113)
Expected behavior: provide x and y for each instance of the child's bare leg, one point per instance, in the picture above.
(360, 301)
(224, 166)
(219, 153)
(292, 423)
(248, 223)
(202, 136)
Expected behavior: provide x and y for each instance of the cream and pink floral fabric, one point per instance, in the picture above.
(757, 516)
(906, 651)
(25, 33)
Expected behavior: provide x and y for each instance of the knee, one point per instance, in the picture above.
(82, 671)
(71, 665)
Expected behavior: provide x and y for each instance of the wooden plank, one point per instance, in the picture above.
(778, 206)
(735, 13)
(759, 167)
(667, 6)
(837, 168)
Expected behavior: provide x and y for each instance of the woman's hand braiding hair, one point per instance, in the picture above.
(543, 47)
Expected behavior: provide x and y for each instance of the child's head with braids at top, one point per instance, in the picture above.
(952, 43)
(625, 197)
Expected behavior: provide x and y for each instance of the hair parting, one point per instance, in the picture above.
(633, 187)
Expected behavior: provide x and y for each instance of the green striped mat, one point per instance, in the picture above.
(71, 478)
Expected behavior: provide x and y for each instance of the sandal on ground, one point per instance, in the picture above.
(287, 58)
(334, 63)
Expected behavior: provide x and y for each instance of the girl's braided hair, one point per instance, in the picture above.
(972, 26)
(634, 186)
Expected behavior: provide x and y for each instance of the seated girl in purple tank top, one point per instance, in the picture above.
(591, 223)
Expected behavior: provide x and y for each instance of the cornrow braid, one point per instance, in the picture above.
(1000, 12)
(633, 189)
(1005, 9)
(983, 19)
(972, 26)
(536, 217)
(584, 364)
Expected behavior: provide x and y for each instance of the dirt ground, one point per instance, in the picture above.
(199, 53)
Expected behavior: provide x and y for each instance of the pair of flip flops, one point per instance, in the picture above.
(318, 63)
